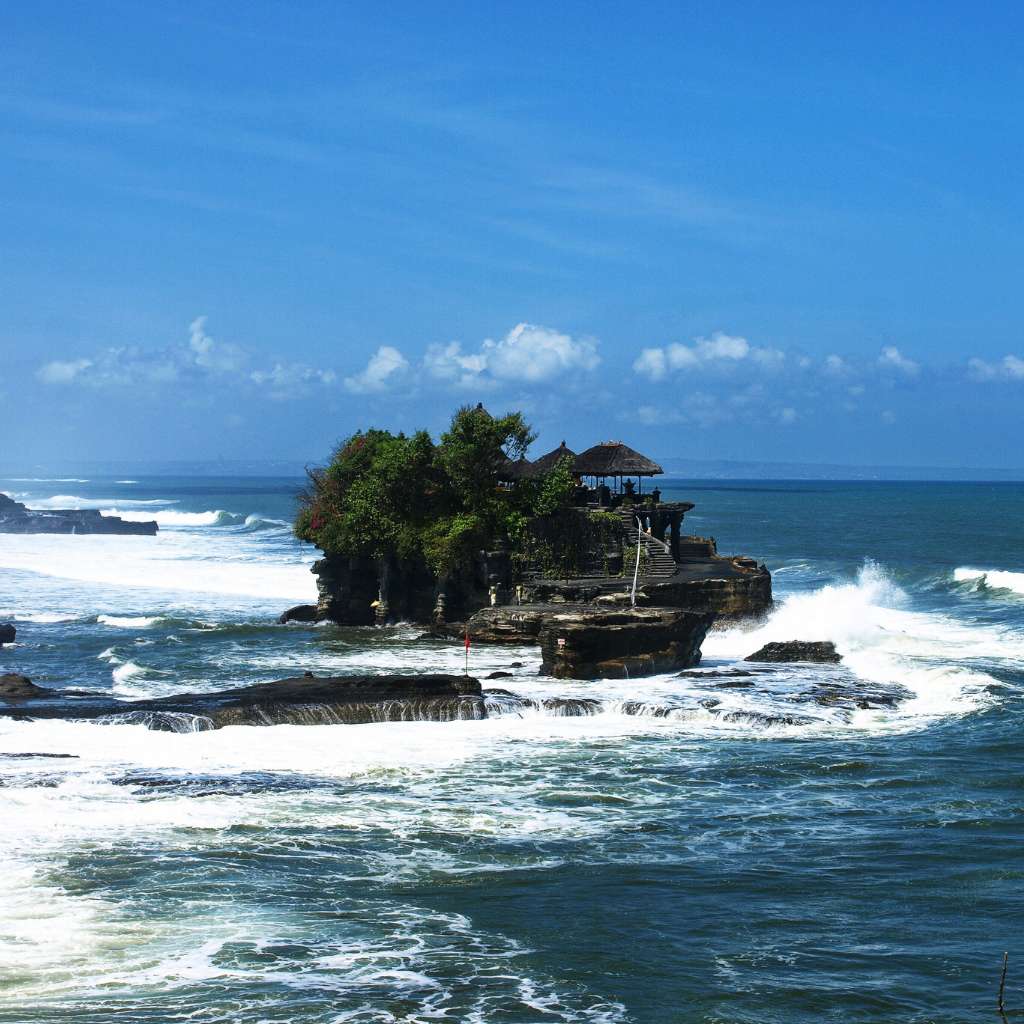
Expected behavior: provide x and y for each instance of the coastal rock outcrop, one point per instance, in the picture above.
(7, 633)
(822, 652)
(18, 518)
(298, 613)
(17, 686)
(588, 642)
(731, 588)
(593, 641)
(301, 700)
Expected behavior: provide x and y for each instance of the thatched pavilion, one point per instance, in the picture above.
(613, 460)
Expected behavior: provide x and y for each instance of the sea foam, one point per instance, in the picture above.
(881, 640)
(173, 517)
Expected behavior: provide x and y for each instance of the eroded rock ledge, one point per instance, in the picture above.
(301, 700)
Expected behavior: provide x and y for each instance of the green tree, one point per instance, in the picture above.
(384, 494)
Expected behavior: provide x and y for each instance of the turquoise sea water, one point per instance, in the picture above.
(734, 854)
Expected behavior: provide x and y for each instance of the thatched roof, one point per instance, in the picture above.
(613, 458)
(546, 463)
(519, 469)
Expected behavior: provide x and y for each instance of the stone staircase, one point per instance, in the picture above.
(660, 563)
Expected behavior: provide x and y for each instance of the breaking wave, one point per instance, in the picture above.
(74, 501)
(939, 659)
(173, 517)
(129, 621)
(991, 579)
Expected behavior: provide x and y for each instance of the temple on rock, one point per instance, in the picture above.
(476, 524)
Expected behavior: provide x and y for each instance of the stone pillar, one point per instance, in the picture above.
(383, 602)
(675, 521)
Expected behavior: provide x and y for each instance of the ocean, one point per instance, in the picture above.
(700, 848)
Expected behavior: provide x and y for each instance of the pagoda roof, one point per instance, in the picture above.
(546, 463)
(613, 458)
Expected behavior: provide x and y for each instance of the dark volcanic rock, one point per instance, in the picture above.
(13, 685)
(16, 518)
(7, 633)
(509, 624)
(588, 642)
(822, 651)
(299, 613)
(500, 675)
(731, 588)
(302, 700)
(597, 641)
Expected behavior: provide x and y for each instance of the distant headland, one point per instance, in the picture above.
(18, 518)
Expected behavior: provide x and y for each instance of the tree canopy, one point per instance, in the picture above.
(385, 494)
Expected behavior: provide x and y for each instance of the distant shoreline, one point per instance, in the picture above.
(675, 469)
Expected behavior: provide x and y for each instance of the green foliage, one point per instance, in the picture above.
(556, 488)
(385, 494)
(375, 497)
(563, 545)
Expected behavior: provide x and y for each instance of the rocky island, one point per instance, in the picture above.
(470, 537)
(17, 518)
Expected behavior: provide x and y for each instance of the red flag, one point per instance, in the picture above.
(467, 639)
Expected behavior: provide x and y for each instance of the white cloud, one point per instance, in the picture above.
(533, 353)
(650, 363)
(450, 363)
(893, 359)
(769, 358)
(718, 350)
(220, 357)
(385, 369)
(1008, 368)
(191, 361)
(529, 353)
(836, 366)
(60, 372)
(114, 367)
(288, 380)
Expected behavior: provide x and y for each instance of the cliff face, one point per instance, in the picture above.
(361, 591)
(365, 591)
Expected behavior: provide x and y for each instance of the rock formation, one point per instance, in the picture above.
(302, 700)
(299, 613)
(7, 633)
(581, 641)
(17, 518)
(590, 642)
(821, 651)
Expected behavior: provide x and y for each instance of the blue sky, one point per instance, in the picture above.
(773, 232)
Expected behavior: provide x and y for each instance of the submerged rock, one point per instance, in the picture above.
(302, 700)
(17, 686)
(820, 651)
(298, 613)
(7, 633)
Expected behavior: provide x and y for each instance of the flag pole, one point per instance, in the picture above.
(467, 652)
